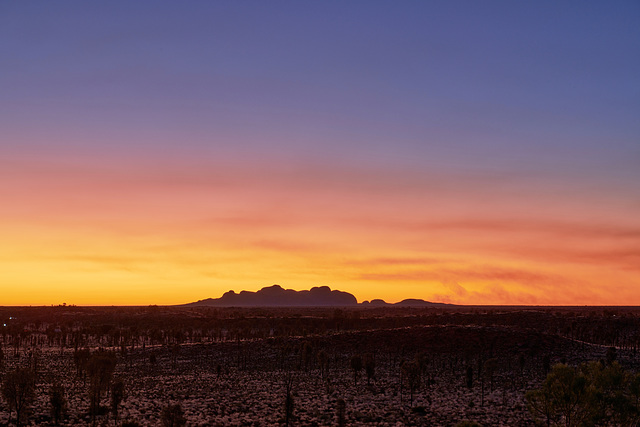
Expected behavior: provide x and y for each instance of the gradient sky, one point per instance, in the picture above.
(457, 151)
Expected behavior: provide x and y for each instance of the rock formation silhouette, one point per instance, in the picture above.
(276, 296)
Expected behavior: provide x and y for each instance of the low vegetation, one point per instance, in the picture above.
(466, 366)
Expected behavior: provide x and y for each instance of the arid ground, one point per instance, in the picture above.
(390, 366)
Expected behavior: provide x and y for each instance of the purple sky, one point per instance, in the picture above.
(497, 85)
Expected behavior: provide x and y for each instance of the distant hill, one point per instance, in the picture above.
(320, 296)
(276, 296)
(412, 302)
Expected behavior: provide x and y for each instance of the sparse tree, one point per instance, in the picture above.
(411, 371)
(306, 354)
(100, 368)
(481, 378)
(58, 402)
(370, 367)
(175, 351)
(81, 358)
(469, 377)
(117, 396)
(34, 360)
(356, 366)
(323, 361)
(490, 367)
(341, 409)
(521, 362)
(18, 389)
(288, 400)
(173, 416)
(612, 355)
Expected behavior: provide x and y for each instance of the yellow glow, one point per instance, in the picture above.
(141, 240)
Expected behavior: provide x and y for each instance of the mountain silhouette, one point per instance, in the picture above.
(276, 296)
(411, 302)
(319, 296)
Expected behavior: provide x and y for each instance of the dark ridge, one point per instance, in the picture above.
(376, 303)
(320, 296)
(411, 302)
(276, 296)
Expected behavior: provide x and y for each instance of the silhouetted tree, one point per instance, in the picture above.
(175, 350)
(117, 395)
(370, 367)
(341, 409)
(356, 366)
(173, 416)
(81, 358)
(18, 389)
(469, 377)
(481, 378)
(288, 400)
(521, 361)
(612, 355)
(411, 371)
(306, 355)
(100, 368)
(58, 402)
(323, 361)
(34, 360)
(490, 367)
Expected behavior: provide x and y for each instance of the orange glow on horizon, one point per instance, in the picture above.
(143, 237)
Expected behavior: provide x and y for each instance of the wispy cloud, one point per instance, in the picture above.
(449, 275)
(489, 295)
(378, 262)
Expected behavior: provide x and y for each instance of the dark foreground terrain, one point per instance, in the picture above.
(322, 366)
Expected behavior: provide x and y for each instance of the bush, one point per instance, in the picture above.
(592, 393)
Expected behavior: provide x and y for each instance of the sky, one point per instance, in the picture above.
(162, 152)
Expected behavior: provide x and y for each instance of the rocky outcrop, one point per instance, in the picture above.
(276, 296)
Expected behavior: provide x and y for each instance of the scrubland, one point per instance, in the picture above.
(239, 367)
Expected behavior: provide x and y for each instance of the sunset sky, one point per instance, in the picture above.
(456, 151)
